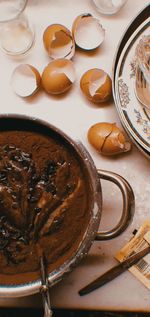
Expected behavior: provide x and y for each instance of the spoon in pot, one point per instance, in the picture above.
(45, 288)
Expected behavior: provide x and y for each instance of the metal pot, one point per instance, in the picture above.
(18, 122)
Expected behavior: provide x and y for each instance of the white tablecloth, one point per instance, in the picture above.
(74, 115)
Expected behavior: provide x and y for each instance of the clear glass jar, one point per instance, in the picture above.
(16, 34)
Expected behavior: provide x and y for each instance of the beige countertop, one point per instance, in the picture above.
(74, 115)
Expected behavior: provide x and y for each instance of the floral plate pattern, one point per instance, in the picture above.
(134, 117)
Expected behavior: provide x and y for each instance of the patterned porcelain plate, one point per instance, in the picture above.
(134, 117)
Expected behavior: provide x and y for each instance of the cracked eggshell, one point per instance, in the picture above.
(58, 76)
(58, 42)
(108, 139)
(96, 85)
(25, 80)
(87, 31)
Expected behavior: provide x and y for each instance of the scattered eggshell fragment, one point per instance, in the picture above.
(96, 85)
(87, 31)
(58, 76)
(108, 139)
(25, 80)
(58, 42)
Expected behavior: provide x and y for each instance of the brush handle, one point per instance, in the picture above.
(103, 279)
(114, 272)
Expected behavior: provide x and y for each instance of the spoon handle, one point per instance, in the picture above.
(45, 289)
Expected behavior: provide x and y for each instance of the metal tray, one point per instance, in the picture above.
(134, 117)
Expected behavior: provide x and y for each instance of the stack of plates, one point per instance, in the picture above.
(134, 117)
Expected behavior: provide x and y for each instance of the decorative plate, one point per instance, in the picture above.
(134, 117)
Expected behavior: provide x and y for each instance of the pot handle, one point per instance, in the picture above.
(128, 205)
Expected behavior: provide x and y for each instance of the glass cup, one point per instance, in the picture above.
(109, 7)
(16, 34)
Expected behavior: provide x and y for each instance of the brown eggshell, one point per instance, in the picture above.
(97, 134)
(25, 80)
(83, 28)
(115, 143)
(58, 76)
(58, 41)
(96, 85)
(37, 75)
(108, 139)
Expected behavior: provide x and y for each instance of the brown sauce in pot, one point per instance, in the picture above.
(44, 201)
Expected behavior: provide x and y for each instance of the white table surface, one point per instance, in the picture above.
(74, 115)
